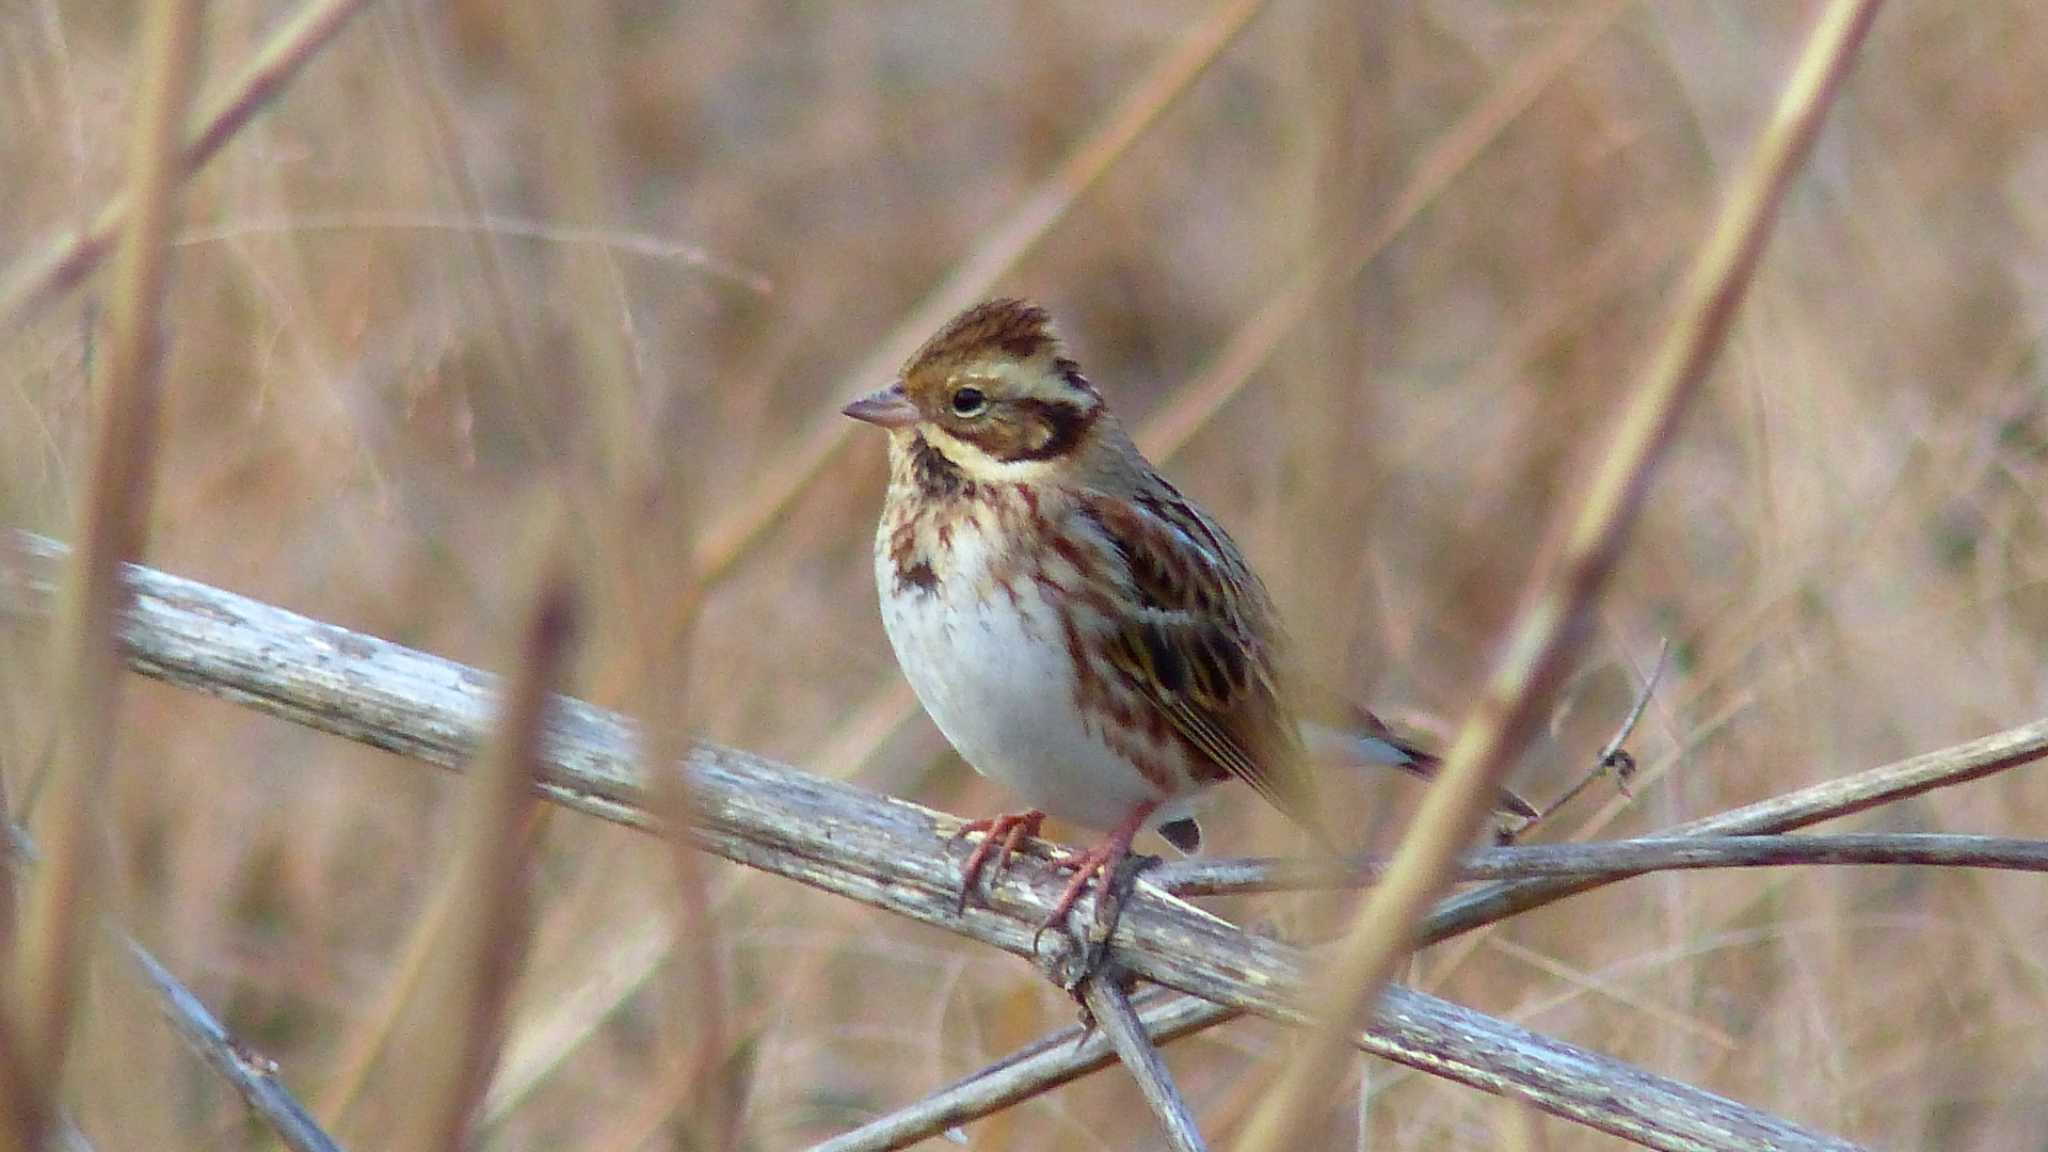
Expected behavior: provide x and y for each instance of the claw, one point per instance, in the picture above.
(1105, 860)
(1000, 837)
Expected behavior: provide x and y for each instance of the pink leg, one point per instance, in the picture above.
(1103, 859)
(1000, 837)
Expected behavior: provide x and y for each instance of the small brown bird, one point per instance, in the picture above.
(1076, 627)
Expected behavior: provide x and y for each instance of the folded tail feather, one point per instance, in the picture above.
(1372, 742)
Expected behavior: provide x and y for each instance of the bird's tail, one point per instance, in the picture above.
(1368, 741)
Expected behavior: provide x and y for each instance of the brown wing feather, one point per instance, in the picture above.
(1199, 641)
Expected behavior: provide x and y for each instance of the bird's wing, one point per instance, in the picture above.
(1198, 640)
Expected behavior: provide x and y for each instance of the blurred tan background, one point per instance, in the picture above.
(642, 249)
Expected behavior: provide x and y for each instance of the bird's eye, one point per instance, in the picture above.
(969, 402)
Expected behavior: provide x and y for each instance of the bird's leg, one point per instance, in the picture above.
(1000, 836)
(1104, 859)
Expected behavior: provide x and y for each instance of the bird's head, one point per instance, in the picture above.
(994, 394)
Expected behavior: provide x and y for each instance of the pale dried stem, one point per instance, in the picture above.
(1115, 1016)
(71, 258)
(52, 943)
(1540, 643)
(883, 852)
(1618, 860)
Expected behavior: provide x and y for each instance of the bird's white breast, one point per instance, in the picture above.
(994, 672)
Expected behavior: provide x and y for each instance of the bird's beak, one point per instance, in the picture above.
(884, 408)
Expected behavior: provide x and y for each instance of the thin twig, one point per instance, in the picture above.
(618, 240)
(250, 1075)
(1616, 860)
(883, 852)
(253, 1077)
(1115, 1016)
(1614, 760)
(1540, 644)
(72, 258)
(1047, 1063)
(1612, 748)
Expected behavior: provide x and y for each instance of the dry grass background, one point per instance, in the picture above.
(367, 388)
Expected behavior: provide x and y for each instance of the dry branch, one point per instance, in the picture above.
(250, 1075)
(1113, 1013)
(1617, 860)
(884, 852)
(1047, 1063)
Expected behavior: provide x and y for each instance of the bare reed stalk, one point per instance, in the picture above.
(68, 261)
(998, 250)
(61, 909)
(471, 979)
(1540, 644)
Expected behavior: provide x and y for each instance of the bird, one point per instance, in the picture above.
(1076, 627)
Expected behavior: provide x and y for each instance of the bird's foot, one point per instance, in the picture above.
(1113, 862)
(1000, 836)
